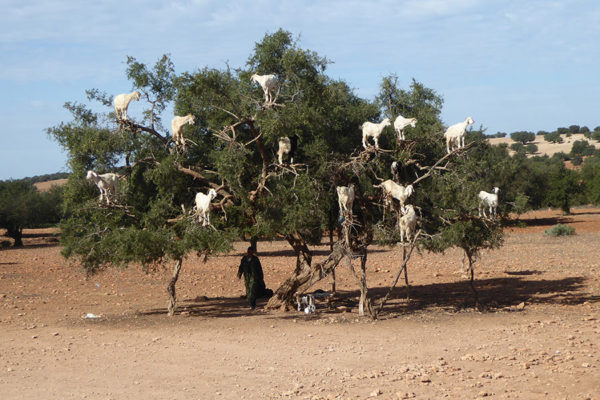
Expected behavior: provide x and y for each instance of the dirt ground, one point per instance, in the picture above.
(538, 337)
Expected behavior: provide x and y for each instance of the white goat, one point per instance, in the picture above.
(106, 183)
(345, 198)
(395, 169)
(488, 200)
(306, 303)
(121, 102)
(268, 84)
(407, 223)
(456, 134)
(177, 127)
(370, 129)
(398, 192)
(400, 123)
(203, 206)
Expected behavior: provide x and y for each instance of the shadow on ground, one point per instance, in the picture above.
(494, 294)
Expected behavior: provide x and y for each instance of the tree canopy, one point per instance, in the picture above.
(232, 148)
(22, 206)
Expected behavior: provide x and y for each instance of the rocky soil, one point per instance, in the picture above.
(537, 338)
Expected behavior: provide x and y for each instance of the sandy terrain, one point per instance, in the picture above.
(539, 337)
(548, 148)
(46, 186)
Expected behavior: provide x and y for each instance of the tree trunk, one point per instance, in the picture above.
(171, 288)
(364, 304)
(471, 280)
(254, 242)
(305, 274)
(17, 235)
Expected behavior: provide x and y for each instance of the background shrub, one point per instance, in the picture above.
(560, 230)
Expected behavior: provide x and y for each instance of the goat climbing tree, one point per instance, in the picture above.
(232, 148)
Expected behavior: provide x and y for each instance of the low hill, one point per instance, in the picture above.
(47, 185)
(548, 148)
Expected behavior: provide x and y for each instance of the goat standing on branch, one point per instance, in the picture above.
(370, 129)
(106, 183)
(203, 206)
(488, 200)
(400, 124)
(177, 128)
(398, 192)
(287, 145)
(407, 223)
(456, 134)
(121, 102)
(268, 84)
(345, 199)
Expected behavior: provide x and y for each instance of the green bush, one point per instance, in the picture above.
(517, 147)
(523, 136)
(553, 137)
(531, 148)
(560, 230)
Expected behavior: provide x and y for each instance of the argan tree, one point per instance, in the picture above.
(232, 148)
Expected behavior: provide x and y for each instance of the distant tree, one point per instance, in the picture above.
(563, 187)
(560, 156)
(523, 137)
(596, 135)
(517, 147)
(521, 204)
(582, 148)
(531, 148)
(597, 129)
(22, 206)
(553, 137)
(499, 135)
(562, 131)
(576, 160)
(541, 133)
(590, 174)
(574, 128)
(584, 129)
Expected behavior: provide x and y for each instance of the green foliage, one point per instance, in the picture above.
(553, 137)
(518, 147)
(560, 230)
(590, 174)
(523, 137)
(574, 128)
(521, 203)
(584, 129)
(562, 131)
(22, 206)
(531, 148)
(596, 135)
(582, 148)
(577, 160)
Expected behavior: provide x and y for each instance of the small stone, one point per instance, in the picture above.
(425, 379)
(483, 394)
(375, 393)
(520, 306)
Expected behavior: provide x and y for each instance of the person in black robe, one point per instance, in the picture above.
(251, 269)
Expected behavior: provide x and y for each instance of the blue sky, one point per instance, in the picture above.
(511, 65)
